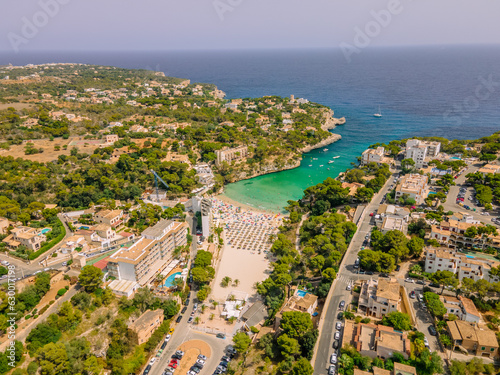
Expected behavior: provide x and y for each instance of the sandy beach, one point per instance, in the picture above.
(245, 254)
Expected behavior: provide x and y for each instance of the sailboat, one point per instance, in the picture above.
(378, 114)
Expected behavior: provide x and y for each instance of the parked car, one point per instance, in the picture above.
(220, 336)
(331, 370)
(342, 304)
(432, 330)
(348, 287)
(146, 370)
(333, 358)
(225, 359)
(383, 274)
(412, 294)
(184, 309)
(426, 342)
(335, 344)
(408, 280)
(153, 360)
(201, 356)
(190, 320)
(179, 318)
(337, 335)
(200, 362)
(164, 345)
(167, 337)
(340, 315)
(338, 326)
(421, 282)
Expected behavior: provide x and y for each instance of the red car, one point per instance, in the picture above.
(173, 364)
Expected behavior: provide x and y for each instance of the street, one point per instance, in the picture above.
(347, 275)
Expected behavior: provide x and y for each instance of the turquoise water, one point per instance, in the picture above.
(272, 191)
(170, 280)
(301, 293)
(45, 230)
(85, 228)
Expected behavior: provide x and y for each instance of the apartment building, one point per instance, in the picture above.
(413, 186)
(447, 259)
(380, 297)
(169, 235)
(470, 338)
(146, 324)
(375, 155)
(390, 217)
(489, 169)
(398, 369)
(418, 151)
(228, 155)
(206, 217)
(461, 307)
(452, 234)
(376, 340)
(150, 255)
(32, 238)
(113, 218)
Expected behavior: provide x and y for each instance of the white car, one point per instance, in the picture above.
(167, 338)
(338, 325)
(426, 342)
(337, 335)
(408, 280)
(348, 287)
(333, 359)
(153, 360)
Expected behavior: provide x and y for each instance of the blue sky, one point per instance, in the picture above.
(229, 24)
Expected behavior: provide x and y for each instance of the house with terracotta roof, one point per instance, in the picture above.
(376, 340)
(379, 297)
(113, 218)
(301, 301)
(399, 369)
(32, 238)
(146, 324)
(468, 337)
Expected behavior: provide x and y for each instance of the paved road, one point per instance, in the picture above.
(347, 274)
(184, 332)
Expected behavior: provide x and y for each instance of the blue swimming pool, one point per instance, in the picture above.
(301, 293)
(170, 280)
(84, 228)
(45, 230)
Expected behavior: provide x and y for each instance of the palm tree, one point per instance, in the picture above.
(215, 304)
(203, 308)
(197, 320)
(236, 282)
(226, 281)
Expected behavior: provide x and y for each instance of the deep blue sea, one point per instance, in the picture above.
(451, 92)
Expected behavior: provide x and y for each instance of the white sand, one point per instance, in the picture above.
(247, 266)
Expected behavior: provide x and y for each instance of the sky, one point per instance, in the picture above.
(243, 24)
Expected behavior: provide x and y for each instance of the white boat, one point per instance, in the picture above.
(325, 149)
(310, 165)
(378, 114)
(315, 158)
(321, 165)
(336, 157)
(330, 162)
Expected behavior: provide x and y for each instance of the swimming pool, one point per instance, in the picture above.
(170, 280)
(84, 228)
(45, 230)
(301, 293)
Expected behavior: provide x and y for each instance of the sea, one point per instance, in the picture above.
(444, 91)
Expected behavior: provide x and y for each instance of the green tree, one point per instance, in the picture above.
(241, 342)
(53, 359)
(416, 246)
(302, 367)
(364, 194)
(398, 320)
(288, 345)
(90, 278)
(329, 275)
(445, 278)
(295, 324)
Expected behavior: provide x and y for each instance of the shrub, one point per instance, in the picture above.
(61, 291)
